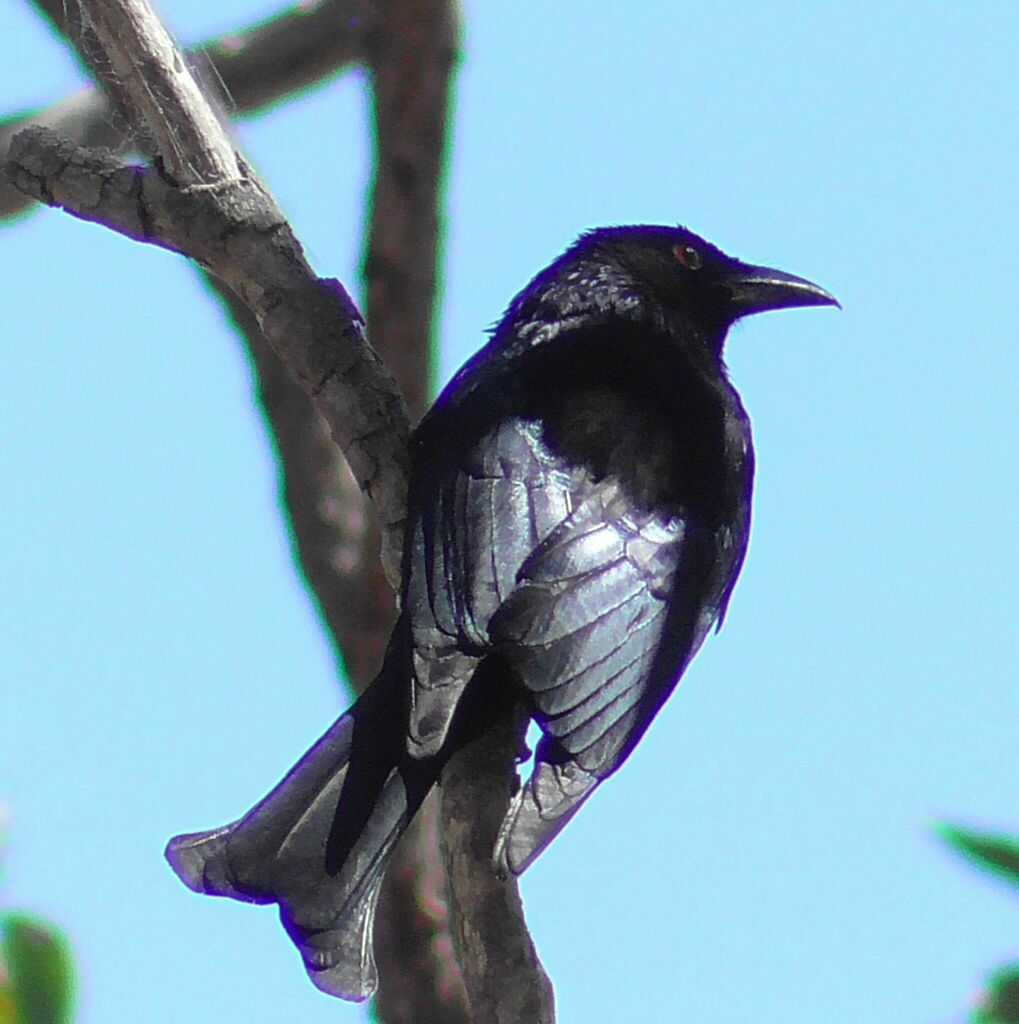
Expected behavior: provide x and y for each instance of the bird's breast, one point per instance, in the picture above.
(671, 450)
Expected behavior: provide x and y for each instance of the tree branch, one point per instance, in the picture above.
(145, 64)
(505, 980)
(234, 229)
(253, 67)
(411, 51)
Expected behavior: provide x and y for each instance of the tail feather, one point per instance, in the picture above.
(319, 843)
(539, 812)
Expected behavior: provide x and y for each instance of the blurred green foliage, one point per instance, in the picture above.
(36, 972)
(996, 854)
(999, 1003)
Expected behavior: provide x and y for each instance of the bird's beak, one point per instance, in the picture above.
(757, 289)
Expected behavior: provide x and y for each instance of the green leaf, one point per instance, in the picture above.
(40, 978)
(8, 1011)
(1000, 1001)
(996, 853)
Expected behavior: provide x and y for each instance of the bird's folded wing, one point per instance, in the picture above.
(490, 514)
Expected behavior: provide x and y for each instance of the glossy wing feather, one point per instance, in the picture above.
(591, 632)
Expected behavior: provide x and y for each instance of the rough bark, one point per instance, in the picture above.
(249, 69)
(234, 229)
(505, 981)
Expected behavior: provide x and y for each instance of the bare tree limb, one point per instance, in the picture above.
(255, 66)
(505, 980)
(411, 50)
(66, 18)
(234, 230)
(329, 519)
(214, 211)
(304, 44)
(147, 65)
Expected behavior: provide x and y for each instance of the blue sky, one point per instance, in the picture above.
(765, 855)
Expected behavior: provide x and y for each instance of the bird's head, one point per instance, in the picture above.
(665, 277)
(690, 276)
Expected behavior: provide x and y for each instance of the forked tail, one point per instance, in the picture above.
(318, 844)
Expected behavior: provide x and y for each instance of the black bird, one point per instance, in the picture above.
(579, 508)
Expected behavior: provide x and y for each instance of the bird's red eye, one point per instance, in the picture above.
(687, 256)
